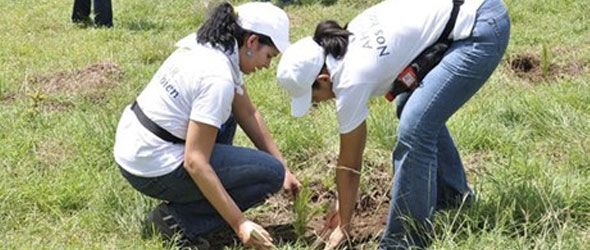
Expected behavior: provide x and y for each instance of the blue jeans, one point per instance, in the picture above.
(248, 175)
(103, 12)
(429, 174)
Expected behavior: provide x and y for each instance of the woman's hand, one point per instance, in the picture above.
(333, 233)
(332, 219)
(291, 185)
(253, 235)
(337, 238)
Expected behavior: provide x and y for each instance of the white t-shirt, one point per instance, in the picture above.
(386, 38)
(196, 83)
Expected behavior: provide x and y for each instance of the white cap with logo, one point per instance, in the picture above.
(266, 19)
(298, 69)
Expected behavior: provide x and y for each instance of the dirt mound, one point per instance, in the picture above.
(536, 68)
(371, 210)
(90, 82)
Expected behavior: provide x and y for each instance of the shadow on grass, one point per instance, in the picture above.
(142, 25)
(305, 2)
(282, 234)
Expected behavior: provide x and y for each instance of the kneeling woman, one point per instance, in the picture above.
(362, 61)
(174, 143)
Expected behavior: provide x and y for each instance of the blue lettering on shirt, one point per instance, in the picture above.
(168, 87)
(377, 38)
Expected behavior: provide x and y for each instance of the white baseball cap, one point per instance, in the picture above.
(298, 69)
(266, 19)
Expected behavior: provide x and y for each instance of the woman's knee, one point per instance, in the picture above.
(411, 120)
(410, 132)
(416, 137)
(279, 178)
(274, 172)
(404, 131)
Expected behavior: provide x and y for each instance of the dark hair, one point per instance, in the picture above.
(332, 37)
(222, 28)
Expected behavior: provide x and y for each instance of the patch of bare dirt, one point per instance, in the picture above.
(90, 82)
(7, 99)
(530, 66)
(526, 63)
(52, 152)
(38, 102)
(52, 105)
(574, 68)
(475, 163)
(278, 216)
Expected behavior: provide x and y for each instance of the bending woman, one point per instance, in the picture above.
(362, 61)
(175, 142)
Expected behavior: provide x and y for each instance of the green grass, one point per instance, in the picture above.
(525, 143)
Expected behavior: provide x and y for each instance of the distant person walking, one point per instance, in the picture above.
(103, 13)
(363, 60)
(174, 143)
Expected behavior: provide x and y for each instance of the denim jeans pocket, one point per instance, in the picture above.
(493, 24)
(148, 186)
(491, 34)
(142, 184)
(155, 189)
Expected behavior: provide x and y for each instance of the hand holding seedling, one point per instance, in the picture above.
(291, 185)
(337, 238)
(253, 235)
(332, 234)
(332, 219)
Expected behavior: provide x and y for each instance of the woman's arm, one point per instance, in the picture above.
(200, 140)
(350, 159)
(352, 145)
(254, 126)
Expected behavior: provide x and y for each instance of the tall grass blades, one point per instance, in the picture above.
(524, 138)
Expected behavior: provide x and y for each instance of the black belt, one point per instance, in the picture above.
(153, 127)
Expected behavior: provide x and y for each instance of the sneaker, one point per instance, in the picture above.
(199, 244)
(161, 221)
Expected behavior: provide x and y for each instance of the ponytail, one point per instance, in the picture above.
(222, 29)
(332, 37)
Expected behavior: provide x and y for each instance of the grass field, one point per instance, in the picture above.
(524, 138)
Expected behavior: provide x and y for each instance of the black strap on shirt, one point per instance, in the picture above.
(428, 58)
(153, 127)
(432, 55)
(451, 23)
